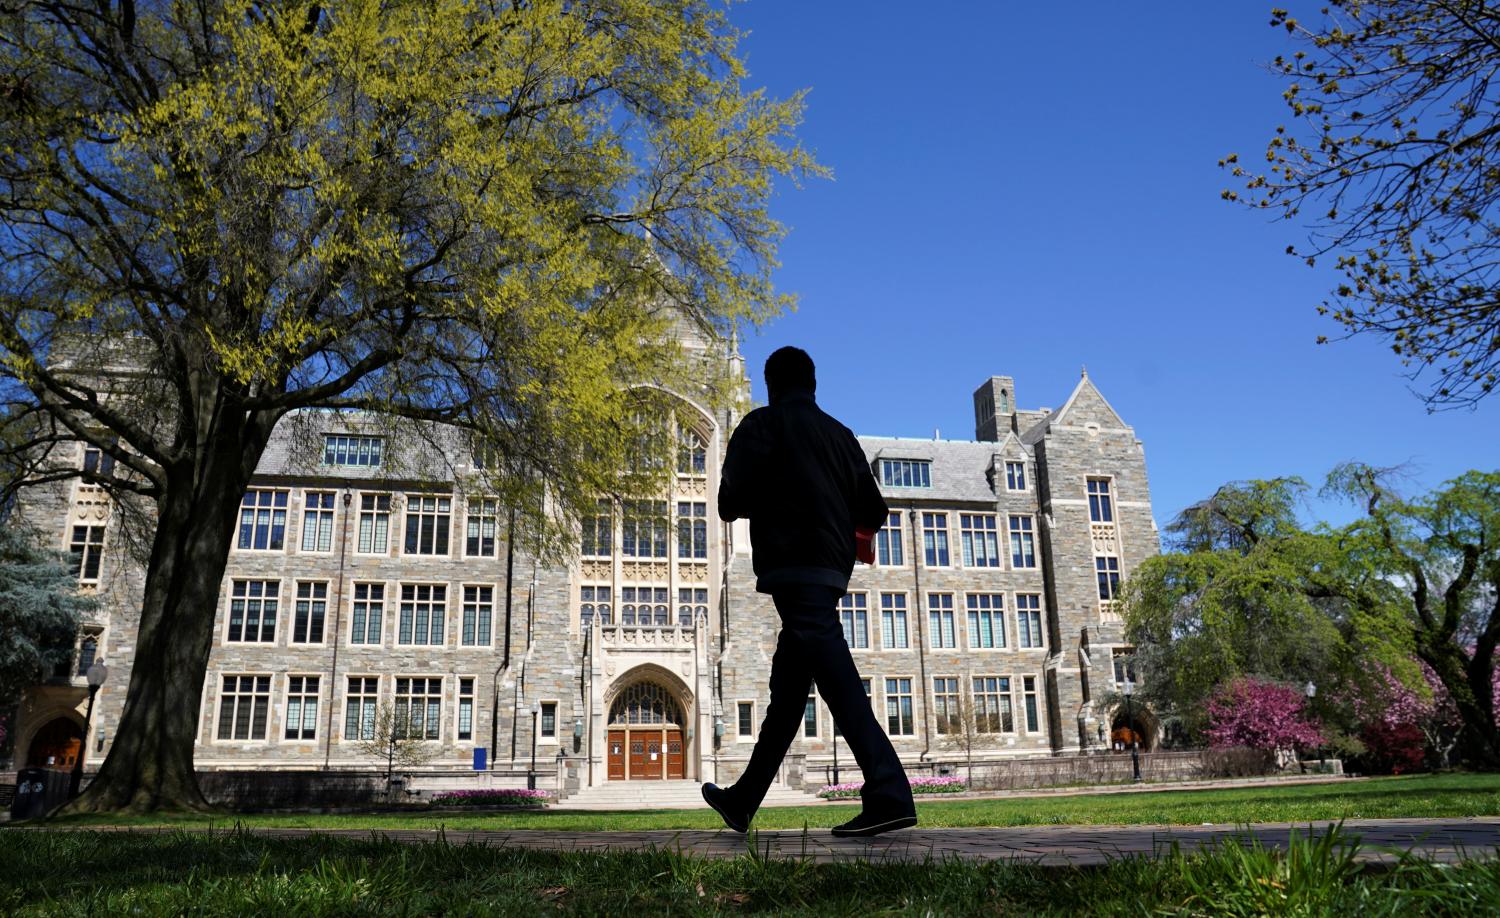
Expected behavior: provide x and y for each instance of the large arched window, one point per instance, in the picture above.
(645, 703)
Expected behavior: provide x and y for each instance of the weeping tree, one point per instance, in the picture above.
(1252, 592)
(484, 217)
(1443, 551)
(1249, 591)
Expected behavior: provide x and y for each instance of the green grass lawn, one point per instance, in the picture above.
(232, 873)
(1423, 795)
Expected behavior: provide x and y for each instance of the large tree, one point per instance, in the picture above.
(480, 215)
(1252, 592)
(1443, 550)
(1392, 159)
(1236, 597)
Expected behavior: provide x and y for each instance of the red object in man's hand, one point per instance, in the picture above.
(864, 545)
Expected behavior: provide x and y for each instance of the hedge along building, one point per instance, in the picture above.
(371, 572)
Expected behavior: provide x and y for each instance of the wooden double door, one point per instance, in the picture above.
(645, 753)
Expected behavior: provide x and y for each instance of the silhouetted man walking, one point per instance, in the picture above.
(803, 482)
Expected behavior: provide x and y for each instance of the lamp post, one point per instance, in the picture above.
(96, 675)
(835, 753)
(1135, 734)
(718, 738)
(1311, 691)
(536, 710)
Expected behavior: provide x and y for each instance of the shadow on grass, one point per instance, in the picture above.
(236, 873)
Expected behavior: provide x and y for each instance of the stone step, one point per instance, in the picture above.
(669, 795)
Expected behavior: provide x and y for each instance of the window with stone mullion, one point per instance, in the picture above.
(992, 705)
(893, 630)
(301, 708)
(1029, 619)
(482, 525)
(368, 613)
(935, 539)
(422, 613)
(986, 620)
(317, 521)
(428, 522)
(310, 612)
(86, 549)
(598, 532)
(853, 615)
(244, 707)
(374, 523)
(418, 708)
(946, 708)
(980, 543)
(898, 707)
(1022, 542)
(692, 530)
(940, 621)
(888, 542)
(362, 701)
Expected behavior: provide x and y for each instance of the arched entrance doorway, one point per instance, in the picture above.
(645, 735)
(56, 745)
(1136, 725)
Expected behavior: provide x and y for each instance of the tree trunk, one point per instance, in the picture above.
(150, 764)
(1470, 687)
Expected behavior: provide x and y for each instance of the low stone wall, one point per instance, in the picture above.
(254, 791)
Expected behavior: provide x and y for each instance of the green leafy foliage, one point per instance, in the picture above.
(1253, 592)
(40, 608)
(489, 223)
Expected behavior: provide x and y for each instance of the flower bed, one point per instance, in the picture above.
(500, 796)
(948, 785)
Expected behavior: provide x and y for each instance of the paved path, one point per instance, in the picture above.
(1384, 840)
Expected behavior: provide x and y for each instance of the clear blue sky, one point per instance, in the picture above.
(1021, 190)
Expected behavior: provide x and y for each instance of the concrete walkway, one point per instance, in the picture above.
(1384, 840)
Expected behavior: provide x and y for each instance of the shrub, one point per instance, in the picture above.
(502, 796)
(943, 785)
(1392, 748)
(1261, 715)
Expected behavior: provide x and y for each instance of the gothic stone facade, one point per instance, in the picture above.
(987, 626)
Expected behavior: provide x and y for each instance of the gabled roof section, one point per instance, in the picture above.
(960, 468)
(1088, 406)
(1011, 446)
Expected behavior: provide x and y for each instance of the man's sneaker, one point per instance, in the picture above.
(866, 824)
(718, 798)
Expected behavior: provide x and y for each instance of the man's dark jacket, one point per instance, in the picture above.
(804, 483)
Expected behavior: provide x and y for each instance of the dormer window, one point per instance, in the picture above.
(341, 449)
(905, 473)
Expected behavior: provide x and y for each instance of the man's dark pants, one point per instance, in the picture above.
(811, 649)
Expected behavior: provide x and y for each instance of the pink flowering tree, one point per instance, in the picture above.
(1391, 704)
(1261, 715)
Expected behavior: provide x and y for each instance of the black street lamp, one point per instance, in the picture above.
(1135, 733)
(835, 754)
(1311, 691)
(536, 710)
(96, 675)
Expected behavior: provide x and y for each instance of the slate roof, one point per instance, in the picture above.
(959, 467)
